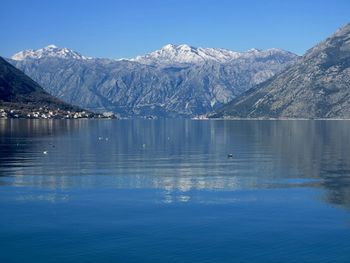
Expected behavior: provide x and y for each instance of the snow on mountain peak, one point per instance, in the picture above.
(51, 46)
(168, 55)
(254, 50)
(171, 54)
(48, 51)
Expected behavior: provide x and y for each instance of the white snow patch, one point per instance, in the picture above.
(172, 54)
(48, 51)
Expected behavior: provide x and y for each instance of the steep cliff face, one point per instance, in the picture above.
(174, 81)
(316, 86)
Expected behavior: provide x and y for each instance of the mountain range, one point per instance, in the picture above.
(176, 80)
(317, 85)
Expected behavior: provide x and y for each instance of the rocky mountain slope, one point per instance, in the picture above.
(173, 81)
(316, 86)
(16, 87)
(22, 95)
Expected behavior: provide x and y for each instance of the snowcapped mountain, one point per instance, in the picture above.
(173, 81)
(184, 54)
(49, 51)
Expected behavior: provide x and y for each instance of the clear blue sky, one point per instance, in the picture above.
(106, 28)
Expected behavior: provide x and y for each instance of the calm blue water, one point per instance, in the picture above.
(165, 191)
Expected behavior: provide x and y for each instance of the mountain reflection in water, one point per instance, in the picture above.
(178, 156)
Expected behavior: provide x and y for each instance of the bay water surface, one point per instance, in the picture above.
(166, 191)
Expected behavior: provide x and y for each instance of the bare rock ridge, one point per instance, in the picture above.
(177, 80)
(317, 85)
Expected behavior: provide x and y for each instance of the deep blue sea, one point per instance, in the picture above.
(166, 191)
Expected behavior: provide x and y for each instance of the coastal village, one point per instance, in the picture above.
(45, 113)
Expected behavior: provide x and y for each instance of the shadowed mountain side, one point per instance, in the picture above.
(22, 97)
(18, 89)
